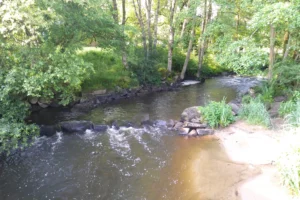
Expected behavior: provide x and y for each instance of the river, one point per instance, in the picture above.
(130, 163)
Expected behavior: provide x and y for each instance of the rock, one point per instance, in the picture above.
(184, 131)
(160, 123)
(147, 123)
(33, 100)
(190, 113)
(194, 125)
(128, 124)
(193, 132)
(49, 130)
(280, 99)
(76, 126)
(99, 92)
(196, 120)
(202, 132)
(235, 108)
(170, 123)
(43, 105)
(115, 125)
(178, 125)
(100, 128)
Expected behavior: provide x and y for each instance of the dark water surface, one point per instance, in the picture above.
(133, 164)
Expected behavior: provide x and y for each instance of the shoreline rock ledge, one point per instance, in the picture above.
(192, 123)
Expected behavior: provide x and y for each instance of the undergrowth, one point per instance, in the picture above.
(255, 112)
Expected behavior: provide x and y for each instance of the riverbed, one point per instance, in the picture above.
(129, 163)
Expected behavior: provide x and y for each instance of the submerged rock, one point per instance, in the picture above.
(202, 132)
(100, 128)
(76, 126)
(49, 130)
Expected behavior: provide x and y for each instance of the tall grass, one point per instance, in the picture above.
(217, 114)
(289, 162)
(255, 112)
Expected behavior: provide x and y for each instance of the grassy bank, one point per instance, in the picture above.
(109, 72)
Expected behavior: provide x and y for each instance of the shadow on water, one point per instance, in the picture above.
(135, 164)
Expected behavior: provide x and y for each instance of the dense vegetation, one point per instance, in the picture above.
(51, 51)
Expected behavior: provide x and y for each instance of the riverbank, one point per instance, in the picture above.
(251, 174)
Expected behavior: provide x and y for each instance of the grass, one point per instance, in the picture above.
(289, 162)
(217, 114)
(109, 71)
(255, 112)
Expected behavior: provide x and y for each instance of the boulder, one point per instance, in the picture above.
(194, 125)
(178, 125)
(184, 131)
(202, 132)
(193, 132)
(190, 113)
(76, 126)
(235, 108)
(100, 128)
(49, 130)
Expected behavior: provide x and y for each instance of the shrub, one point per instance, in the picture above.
(255, 112)
(217, 114)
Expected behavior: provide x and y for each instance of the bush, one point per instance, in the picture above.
(255, 112)
(217, 114)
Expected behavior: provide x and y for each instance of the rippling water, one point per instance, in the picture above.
(146, 163)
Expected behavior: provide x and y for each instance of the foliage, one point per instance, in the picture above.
(15, 135)
(255, 112)
(109, 72)
(293, 118)
(266, 93)
(217, 114)
(287, 75)
(243, 57)
(286, 108)
(289, 162)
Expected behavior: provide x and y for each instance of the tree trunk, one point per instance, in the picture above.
(155, 26)
(115, 11)
(124, 54)
(171, 36)
(286, 52)
(285, 42)
(148, 15)
(202, 41)
(185, 21)
(138, 14)
(272, 53)
(188, 54)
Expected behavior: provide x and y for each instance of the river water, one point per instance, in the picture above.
(130, 163)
